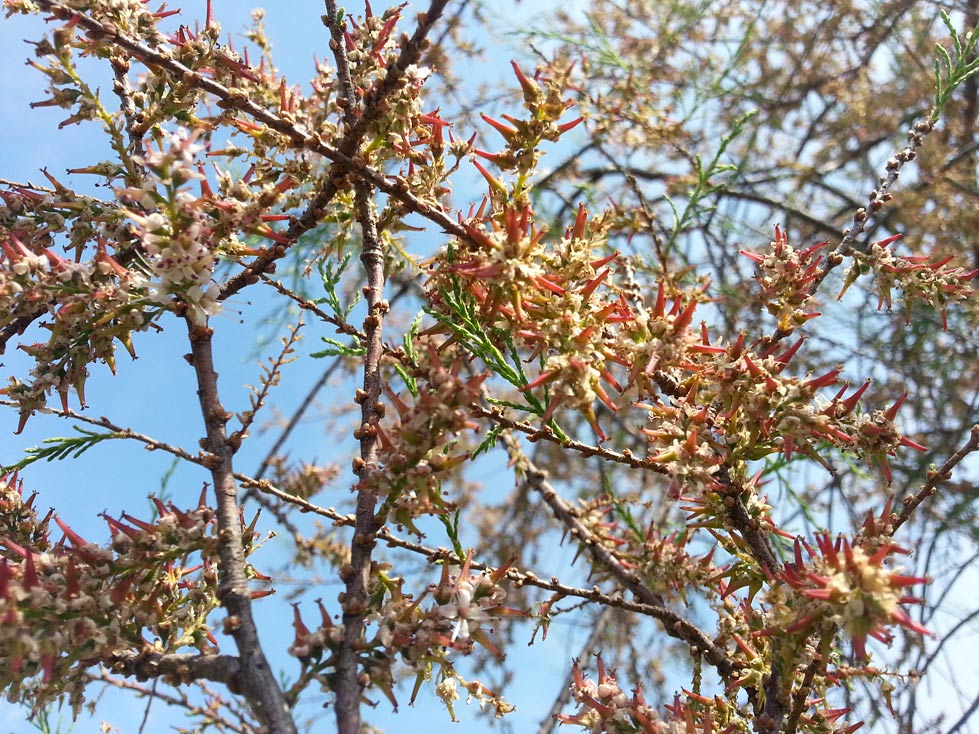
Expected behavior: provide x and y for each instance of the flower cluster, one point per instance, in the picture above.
(841, 585)
(933, 283)
(421, 450)
(172, 228)
(69, 605)
(658, 339)
(550, 298)
(90, 303)
(786, 277)
(372, 47)
(668, 569)
(308, 645)
(543, 98)
(461, 606)
(604, 707)
(469, 601)
(738, 405)
(661, 561)
(682, 443)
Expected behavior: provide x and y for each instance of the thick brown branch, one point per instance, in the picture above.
(349, 684)
(178, 668)
(257, 683)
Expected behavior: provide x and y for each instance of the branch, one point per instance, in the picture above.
(673, 623)
(307, 401)
(348, 145)
(544, 433)
(181, 668)
(208, 712)
(257, 683)
(518, 577)
(349, 686)
(151, 443)
(931, 485)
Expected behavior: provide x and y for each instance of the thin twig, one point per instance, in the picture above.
(935, 478)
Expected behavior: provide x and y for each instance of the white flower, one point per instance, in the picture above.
(447, 690)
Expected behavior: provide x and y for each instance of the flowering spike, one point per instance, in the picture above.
(495, 184)
(905, 441)
(541, 379)
(546, 284)
(785, 357)
(144, 526)
(851, 402)
(891, 412)
(302, 631)
(686, 316)
(160, 507)
(509, 133)
(30, 578)
(823, 380)
(596, 264)
(531, 89)
(592, 284)
(753, 369)
(75, 539)
(564, 127)
(660, 308)
(887, 241)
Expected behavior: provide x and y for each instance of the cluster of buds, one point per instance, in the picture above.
(555, 300)
(420, 451)
(738, 405)
(455, 618)
(543, 98)
(604, 707)
(933, 283)
(66, 89)
(447, 690)
(309, 646)
(461, 606)
(787, 277)
(468, 601)
(842, 586)
(91, 304)
(682, 444)
(661, 561)
(371, 48)
(69, 605)
(173, 230)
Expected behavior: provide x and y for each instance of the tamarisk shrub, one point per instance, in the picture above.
(677, 403)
